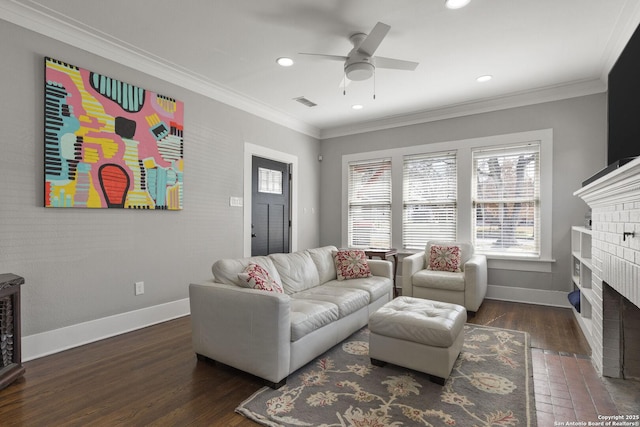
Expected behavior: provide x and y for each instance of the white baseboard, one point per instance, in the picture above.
(50, 342)
(528, 296)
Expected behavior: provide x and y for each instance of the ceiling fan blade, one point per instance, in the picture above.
(395, 64)
(373, 40)
(323, 56)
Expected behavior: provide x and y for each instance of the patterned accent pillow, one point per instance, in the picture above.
(351, 264)
(258, 277)
(444, 258)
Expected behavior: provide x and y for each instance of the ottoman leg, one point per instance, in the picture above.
(377, 362)
(437, 380)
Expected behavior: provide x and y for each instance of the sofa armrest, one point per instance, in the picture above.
(411, 265)
(475, 277)
(245, 328)
(381, 267)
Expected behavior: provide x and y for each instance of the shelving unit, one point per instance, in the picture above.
(581, 273)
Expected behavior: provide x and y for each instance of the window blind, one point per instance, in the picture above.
(429, 199)
(506, 200)
(369, 199)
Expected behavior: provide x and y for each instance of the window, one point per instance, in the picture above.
(506, 200)
(429, 209)
(369, 204)
(501, 197)
(269, 181)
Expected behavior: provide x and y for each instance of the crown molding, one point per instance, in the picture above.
(626, 24)
(518, 99)
(40, 19)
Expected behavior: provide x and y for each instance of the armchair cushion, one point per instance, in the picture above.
(439, 280)
(444, 258)
(466, 250)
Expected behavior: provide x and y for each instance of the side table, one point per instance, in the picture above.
(383, 254)
(10, 339)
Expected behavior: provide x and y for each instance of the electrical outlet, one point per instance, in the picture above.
(139, 288)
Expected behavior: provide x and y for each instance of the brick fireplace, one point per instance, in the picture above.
(614, 200)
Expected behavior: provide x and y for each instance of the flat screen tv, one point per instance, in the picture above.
(624, 103)
(623, 109)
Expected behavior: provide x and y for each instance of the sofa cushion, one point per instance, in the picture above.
(348, 300)
(351, 264)
(308, 315)
(376, 286)
(257, 277)
(297, 271)
(323, 259)
(444, 258)
(226, 270)
(439, 280)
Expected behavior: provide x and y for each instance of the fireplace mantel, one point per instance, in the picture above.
(620, 186)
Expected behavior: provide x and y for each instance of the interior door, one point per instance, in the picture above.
(270, 207)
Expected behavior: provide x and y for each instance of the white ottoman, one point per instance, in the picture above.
(419, 334)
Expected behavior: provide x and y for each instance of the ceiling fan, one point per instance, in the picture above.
(360, 63)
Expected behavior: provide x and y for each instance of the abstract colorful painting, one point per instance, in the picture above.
(109, 144)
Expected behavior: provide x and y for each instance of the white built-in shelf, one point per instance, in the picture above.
(581, 271)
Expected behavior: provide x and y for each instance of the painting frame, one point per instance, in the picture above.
(110, 144)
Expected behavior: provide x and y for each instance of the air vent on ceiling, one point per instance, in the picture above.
(304, 101)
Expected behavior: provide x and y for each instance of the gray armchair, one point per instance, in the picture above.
(466, 288)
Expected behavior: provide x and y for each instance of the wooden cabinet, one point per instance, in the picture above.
(10, 355)
(581, 271)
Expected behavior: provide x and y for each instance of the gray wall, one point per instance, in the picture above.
(579, 150)
(81, 265)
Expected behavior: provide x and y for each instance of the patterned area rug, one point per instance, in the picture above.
(491, 385)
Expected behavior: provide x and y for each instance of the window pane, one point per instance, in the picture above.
(506, 200)
(269, 181)
(369, 198)
(430, 199)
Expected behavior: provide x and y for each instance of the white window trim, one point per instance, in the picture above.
(463, 149)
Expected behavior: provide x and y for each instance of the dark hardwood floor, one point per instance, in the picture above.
(151, 376)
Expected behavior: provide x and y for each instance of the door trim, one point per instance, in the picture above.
(251, 150)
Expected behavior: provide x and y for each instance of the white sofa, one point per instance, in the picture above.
(271, 334)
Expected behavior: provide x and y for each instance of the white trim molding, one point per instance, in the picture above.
(50, 342)
(528, 296)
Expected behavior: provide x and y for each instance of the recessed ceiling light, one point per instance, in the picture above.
(483, 79)
(284, 61)
(357, 106)
(456, 4)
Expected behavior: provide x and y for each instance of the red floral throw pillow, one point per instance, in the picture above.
(444, 258)
(258, 277)
(351, 264)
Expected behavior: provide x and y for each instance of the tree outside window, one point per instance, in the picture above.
(506, 200)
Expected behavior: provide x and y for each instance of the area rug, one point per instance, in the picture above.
(491, 385)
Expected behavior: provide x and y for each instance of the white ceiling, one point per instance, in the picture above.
(536, 50)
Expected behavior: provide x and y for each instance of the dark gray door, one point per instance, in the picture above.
(270, 216)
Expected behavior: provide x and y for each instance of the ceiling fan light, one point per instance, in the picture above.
(359, 71)
(456, 4)
(484, 78)
(284, 61)
(357, 106)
